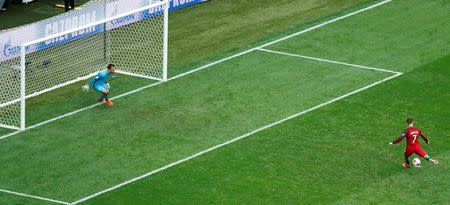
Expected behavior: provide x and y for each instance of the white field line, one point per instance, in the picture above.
(34, 197)
(198, 69)
(49, 89)
(76, 111)
(9, 126)
(201, 68)
(136, 75)
(325, 23)
(328, 61)
(233, 140)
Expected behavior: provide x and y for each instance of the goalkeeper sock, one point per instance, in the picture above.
(103, 96)
(407, 160)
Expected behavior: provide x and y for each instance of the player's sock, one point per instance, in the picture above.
(407, 160)
(431, 160)
(102, 98)
(109, 101)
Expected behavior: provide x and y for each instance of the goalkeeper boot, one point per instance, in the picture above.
(406, 165)
(434, 161)
(109, 102)
(101, 99)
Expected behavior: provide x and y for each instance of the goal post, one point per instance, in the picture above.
(22, 87)
(136, 41)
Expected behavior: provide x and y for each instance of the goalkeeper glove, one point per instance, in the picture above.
(85, 87)
(112, 77)
(107, 84)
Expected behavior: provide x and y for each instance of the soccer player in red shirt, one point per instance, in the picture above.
(412, 143)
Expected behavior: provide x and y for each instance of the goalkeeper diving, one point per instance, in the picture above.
(101, 85)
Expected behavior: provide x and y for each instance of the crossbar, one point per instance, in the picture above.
(94, 24)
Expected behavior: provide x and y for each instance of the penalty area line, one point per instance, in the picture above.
(203, 67)
(328, 61)
(34, 197)
(234, 140)
(187, 73)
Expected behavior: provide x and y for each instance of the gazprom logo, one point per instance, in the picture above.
(9, 50)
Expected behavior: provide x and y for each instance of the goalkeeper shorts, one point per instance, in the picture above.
(99, 87)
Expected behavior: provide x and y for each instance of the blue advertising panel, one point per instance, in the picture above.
(10, 40)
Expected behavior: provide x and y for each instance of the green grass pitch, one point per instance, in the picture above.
(335, 154)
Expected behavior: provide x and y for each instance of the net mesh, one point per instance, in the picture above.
(56, 66)
(137, 48)
(134, 43)
(10, 93)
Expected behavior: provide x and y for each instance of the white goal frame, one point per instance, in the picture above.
(23, 96)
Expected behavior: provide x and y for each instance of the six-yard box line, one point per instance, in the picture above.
(260, 48)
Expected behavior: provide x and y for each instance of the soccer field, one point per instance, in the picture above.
(261, 107)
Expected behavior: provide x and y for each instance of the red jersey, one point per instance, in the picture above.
(411, 134)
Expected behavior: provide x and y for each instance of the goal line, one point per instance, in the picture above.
(136, 41)
(225, 143)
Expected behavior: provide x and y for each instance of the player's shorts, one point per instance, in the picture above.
(99, 87)
(414, 149)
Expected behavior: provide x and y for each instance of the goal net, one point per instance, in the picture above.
(135, 40)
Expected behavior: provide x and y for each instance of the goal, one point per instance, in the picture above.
(135, 41)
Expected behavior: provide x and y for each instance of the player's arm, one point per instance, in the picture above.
(423, 137)
(112, 77)
(398, 139)
(92, 81)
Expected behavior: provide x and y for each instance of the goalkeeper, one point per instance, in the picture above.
(101, 85)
